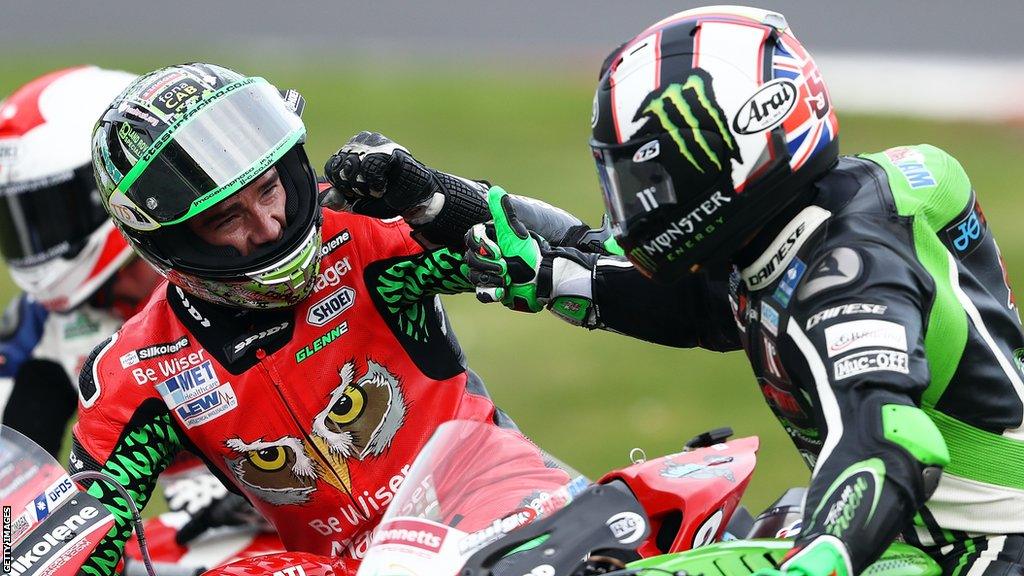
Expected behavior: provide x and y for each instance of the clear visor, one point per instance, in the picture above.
(48, 218)
(222, 148)
(633, 181)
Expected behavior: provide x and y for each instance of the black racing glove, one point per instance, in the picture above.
(228, 510)
(374, 176)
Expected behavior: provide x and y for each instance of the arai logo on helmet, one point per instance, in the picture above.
(647, 151)
(767, 108)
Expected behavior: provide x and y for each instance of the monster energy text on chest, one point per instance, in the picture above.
(691, 229)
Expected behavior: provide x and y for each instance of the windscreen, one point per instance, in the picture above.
(32, 484)
(472, 484)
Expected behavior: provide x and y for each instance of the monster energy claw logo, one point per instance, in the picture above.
(689, 112)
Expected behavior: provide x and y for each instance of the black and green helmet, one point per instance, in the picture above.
(183, 138)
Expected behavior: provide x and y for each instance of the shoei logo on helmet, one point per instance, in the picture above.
(647, 151)
(694, 101)
(767, 108)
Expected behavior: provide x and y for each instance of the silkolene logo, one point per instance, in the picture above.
(135, 356)
(31, 552)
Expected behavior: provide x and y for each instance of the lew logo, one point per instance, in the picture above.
(207, 407)
(767, 108)
(331, 307)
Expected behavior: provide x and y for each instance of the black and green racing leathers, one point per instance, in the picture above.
(884, 336)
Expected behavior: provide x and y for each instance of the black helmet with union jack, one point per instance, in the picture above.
(706, 125)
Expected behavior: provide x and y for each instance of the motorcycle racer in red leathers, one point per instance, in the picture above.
(301, 352)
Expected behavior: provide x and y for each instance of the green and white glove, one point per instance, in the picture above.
(824, 556)
(505, 258)
(511, 265)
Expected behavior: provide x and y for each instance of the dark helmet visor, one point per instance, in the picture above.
(633, 181)
(50, 217)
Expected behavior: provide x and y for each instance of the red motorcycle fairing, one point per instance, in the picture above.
(283, 564)
(690, 496)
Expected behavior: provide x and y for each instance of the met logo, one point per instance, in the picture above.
(189, 384)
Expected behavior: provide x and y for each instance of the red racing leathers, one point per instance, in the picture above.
(314, 413)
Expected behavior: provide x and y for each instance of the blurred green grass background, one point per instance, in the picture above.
(587, 398)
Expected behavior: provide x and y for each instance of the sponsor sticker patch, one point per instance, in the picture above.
(911, 164)
(767, 108)
(135, 356)
(841, 338)
(791, 277)
(838, 268)
(627, 527)
(189, 384)
(770, 318)
(335, 242)
(964, 234)
(770, 265)
(412, 532)
(208, 407)
(871, 361)
(330, 307)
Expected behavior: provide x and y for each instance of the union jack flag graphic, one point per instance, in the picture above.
(812, 125)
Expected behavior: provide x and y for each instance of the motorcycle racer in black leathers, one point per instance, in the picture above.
(867, 292)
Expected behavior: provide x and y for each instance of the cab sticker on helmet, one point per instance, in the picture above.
(176, 97)
(767, 108)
